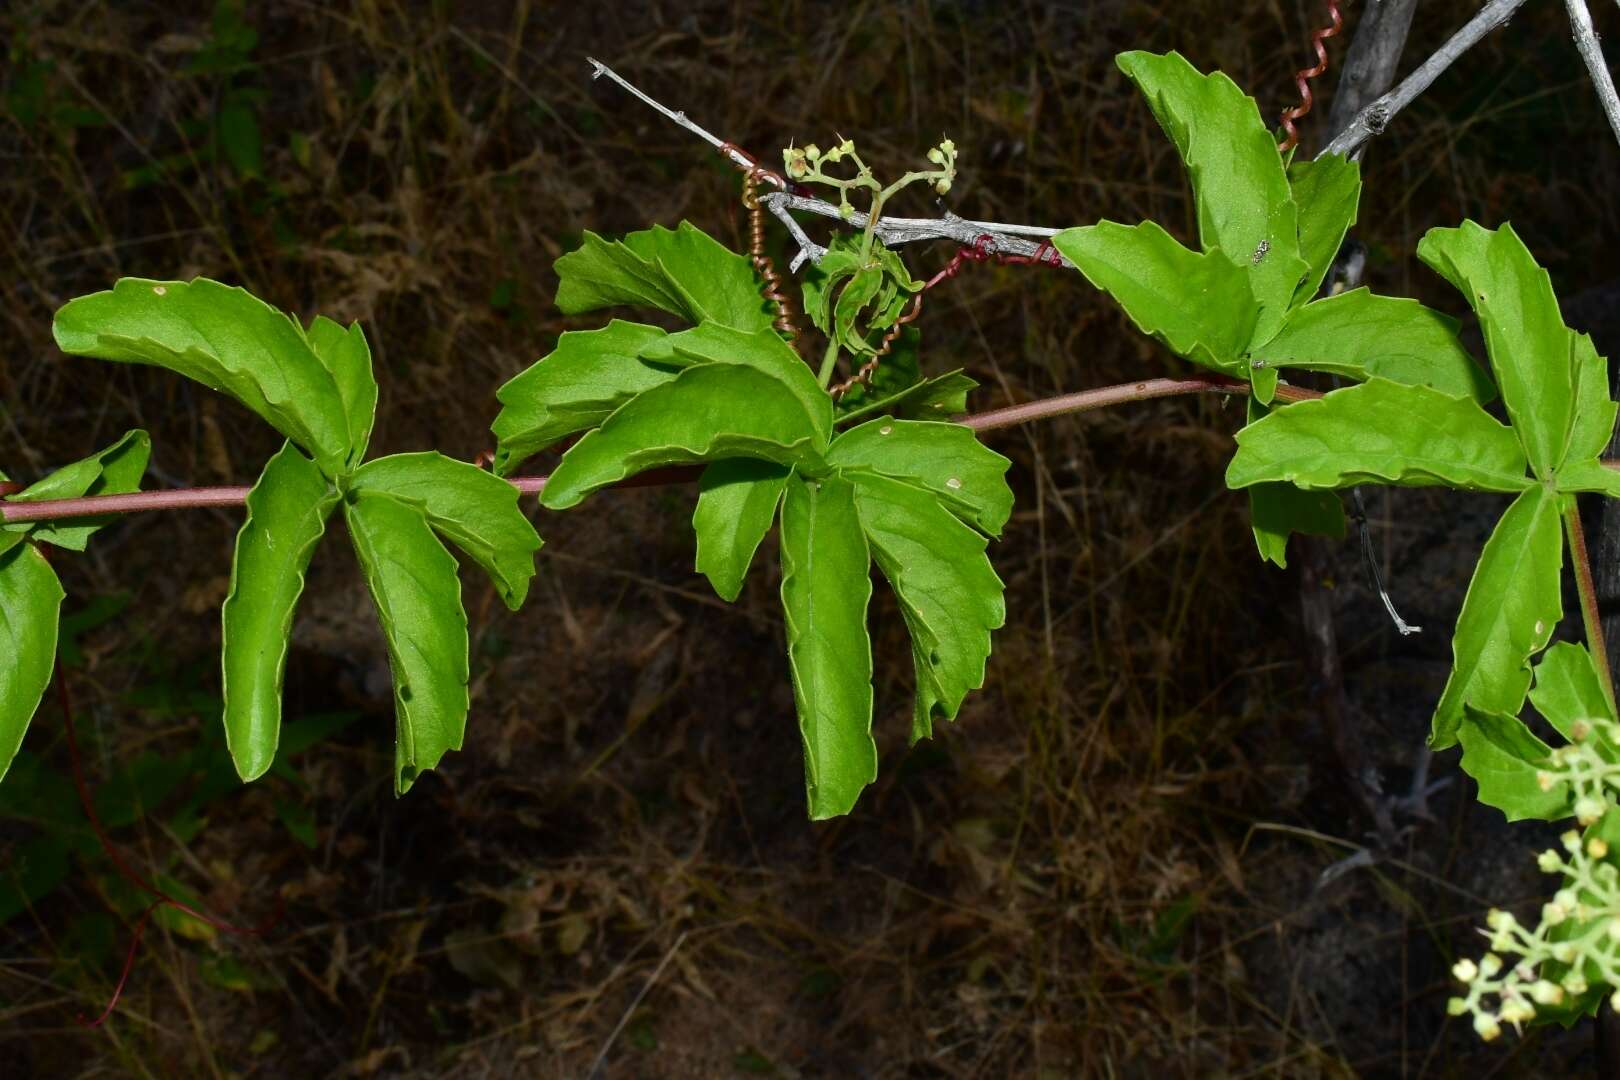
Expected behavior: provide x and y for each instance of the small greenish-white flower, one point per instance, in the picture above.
(1465, 970)
(1490, 965)
(1544, 992)
(1549, 862)
(846, 211)
(1575, 983)
(948, 146)
(1597, 847)
(812, 151)
(1486, 1026)
(1589, 809)
(942, 185)
(1553, 913)
(1579, 730)
(1544, 780)
(1571, 841)
(1457, 1006)
(1497, 919)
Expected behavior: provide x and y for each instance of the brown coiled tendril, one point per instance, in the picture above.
(763, 265)
(1303, 77)
(863, 376)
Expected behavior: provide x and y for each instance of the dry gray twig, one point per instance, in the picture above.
(1375, 117)
(1586, 40)
(1004, 238)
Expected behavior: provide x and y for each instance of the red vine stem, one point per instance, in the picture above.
(1085, 400)
(1303, 77)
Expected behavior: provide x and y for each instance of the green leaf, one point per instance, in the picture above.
(826, 583)
(1326, 190)
(1529, 345)
(1368, 434)
(113, 471)
(474, 509)
(30, 603)
(1567, 688)
(413, 580)
(949, 594)
(226, 339)
(709, 412)
(712, 343)
(939, 398)
(1199, 306)
(945, 459)
(1504, 757)
(1277, 511)
(1508, 616)
(346, 355)
(1245, 205)
(682, 271)
(1361, 336)
(737, 501)
(1593, 426)
(574, 387)
(286, 515)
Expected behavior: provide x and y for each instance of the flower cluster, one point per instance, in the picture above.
(1575, 946)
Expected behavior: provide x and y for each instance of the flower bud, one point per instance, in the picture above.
(1465, 970)
(812, 151)
(942, 186)
(948, 146)
(1597, 847)
(1549, 862)
(1486, 1027)
(1497, 919)
(1543, 992)
(1571, 841)
(1554, 913)
(1614, 1001)
(1456, 1006)
(1544, 780)
(1579, 730)
(1575, 983)
(936, 156)
(1490, 965)
(1588, 809)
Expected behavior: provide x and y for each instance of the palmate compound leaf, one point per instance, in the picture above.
(826, 584)
(1327, 191)
(1361, 336)
(1199, 305)
(683, 271)
(286, 516)
(949, 594)
(228, 340)
(574, 387)
(113, 471)
(413, 580)
(475, 510)
(1371, 434)
(947, 460)
(709, 412)
(30, 605)
(1508, 615)
(1245, 205)
(1529, 345)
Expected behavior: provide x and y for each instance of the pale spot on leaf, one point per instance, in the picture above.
(953, 483)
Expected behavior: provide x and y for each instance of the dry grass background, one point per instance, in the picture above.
(1106, 867)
